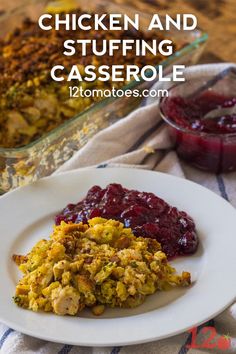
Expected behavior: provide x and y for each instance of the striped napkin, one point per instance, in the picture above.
(141, 140)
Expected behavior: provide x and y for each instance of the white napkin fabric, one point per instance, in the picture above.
(141, 140)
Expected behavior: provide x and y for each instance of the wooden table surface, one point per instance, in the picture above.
(216, 17)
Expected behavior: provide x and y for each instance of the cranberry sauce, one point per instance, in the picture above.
(188, 113)
(206, 142)
(145, 213)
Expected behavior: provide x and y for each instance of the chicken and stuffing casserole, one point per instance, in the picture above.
(93, 265)
(31, 103)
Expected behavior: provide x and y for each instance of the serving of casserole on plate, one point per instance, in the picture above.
(103, 264)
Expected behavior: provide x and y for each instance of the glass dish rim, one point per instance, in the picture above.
(203, 37)
(187, 130)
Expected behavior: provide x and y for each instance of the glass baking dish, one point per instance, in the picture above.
(19, 166)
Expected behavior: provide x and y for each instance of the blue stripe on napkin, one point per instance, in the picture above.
(5, 335)
(65, 349)
(221, 186)
(145, 136)
(102, 165)
(184, 349)
(116, 350)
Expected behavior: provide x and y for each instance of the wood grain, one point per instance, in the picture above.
(216, 17)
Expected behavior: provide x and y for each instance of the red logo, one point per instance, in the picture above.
(211, 339)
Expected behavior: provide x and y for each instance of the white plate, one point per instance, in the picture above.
(27, 215)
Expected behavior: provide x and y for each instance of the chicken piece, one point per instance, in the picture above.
(59, 268)
(65, 301)
(16, 122)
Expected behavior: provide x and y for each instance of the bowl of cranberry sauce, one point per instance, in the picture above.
(201, 117)
(145, 213)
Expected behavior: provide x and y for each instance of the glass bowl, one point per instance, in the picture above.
(214, 152)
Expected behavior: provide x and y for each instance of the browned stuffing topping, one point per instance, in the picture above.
(31, 103)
